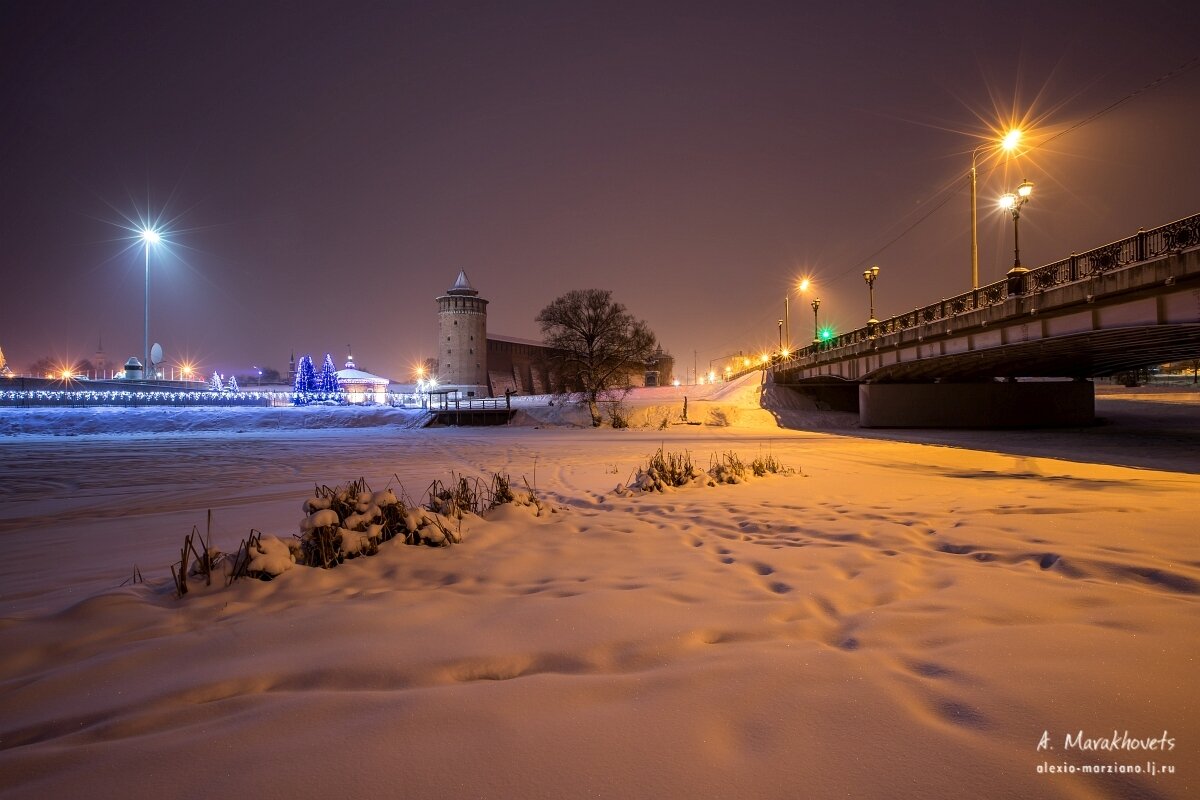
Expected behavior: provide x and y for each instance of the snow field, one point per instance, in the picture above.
(893, 620)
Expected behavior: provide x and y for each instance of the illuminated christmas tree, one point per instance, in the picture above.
(328, 384)
(306, 381)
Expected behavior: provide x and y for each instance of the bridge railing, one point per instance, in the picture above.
(1174, 237)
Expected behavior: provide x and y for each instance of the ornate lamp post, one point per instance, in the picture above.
(816, 303)
(1012, 201)
(869, 275)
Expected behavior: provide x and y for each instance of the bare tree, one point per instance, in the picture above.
(595, 343)
(44, 367)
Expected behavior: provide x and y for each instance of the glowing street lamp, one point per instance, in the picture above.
(816, 303)
(1012, 201)
(869, 275)
(1008, 143)
(149, 236)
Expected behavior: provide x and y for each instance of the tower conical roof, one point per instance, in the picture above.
(462, 285)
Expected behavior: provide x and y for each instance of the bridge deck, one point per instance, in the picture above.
(1125, 305)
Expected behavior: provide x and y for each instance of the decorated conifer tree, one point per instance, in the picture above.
(214, 383)
(306, 379)
(328, 384)
(232, 386)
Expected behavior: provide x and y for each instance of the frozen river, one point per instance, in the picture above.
(903, 617)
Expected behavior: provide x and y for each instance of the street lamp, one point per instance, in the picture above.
(869, 275)
(816, 303)
(787, 325)
(149, 236)
(1008, 144)
(1012, 201)
(781, 336)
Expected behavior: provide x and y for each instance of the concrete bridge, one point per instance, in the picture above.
(983, 358)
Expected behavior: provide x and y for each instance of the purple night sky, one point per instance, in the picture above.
(329, 167)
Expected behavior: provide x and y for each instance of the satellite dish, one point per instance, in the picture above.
(156, 354)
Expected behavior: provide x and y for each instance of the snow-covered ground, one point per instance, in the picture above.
(897, 619)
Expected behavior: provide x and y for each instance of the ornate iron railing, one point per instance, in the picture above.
(1175, 237)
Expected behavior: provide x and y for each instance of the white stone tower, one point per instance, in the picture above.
(462, 339)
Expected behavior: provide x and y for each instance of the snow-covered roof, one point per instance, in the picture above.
(462, 285)
(514, 340)
(358, 376)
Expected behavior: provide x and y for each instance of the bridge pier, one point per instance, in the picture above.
(1030, 404)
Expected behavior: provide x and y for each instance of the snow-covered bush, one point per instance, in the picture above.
(266, 557)
(666, 470)
(727, 468)
(762, 465)
(350, 521)
(672, 470)
(466, 496)
(347, 522)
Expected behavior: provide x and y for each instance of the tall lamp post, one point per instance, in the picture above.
(781, 338)
(149, 236)
(816, 303)
(1012, 201)
(787, 327)
(1008, 144)
(869, 275)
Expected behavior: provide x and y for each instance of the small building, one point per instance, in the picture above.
(133, 369)
(362, 388)
(660, 369)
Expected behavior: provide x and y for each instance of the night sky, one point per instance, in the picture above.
(328, 168)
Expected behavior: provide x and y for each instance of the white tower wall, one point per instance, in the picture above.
(462, 339)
